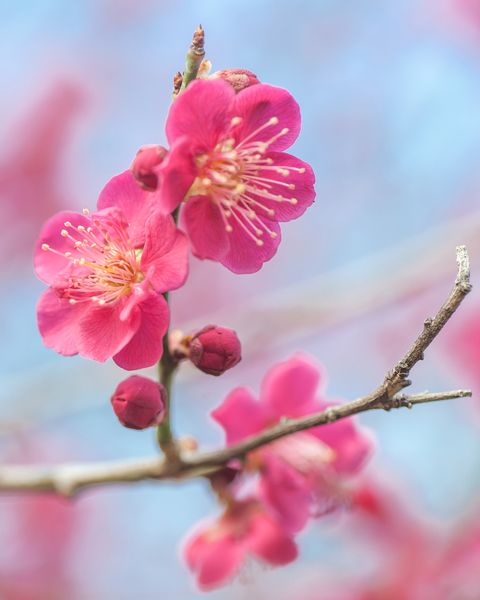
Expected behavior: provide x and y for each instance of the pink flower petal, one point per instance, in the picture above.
(49, 264)
(289, 387)
(124, 193)
(240, 415)
(146, 346)
(303, 193)
(258, 104)
(352, 444)
(102, 332)
(200, 112)
(58, 322)
(178, 172)
(245, 256)
(270, 542)
(205, 228)
(165, 257)
(286, 491)
(214, 559)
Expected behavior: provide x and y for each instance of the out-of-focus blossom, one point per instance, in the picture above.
(30, 182)
(216, 551)
(107, 273)
(38, 532)
(302, 473)
(462, 348)
(417, 560)
(215, 349)
(227, 157)
(139, 402)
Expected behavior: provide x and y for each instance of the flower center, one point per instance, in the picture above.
(244, 181)
(104, 264)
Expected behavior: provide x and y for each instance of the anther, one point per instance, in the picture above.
(259, 242)
(81, 228)
(45, 247)
(284, 131)
(85, 211)
(302, 170)
(273, 235)
(64, 233)
(67, 254)
(67, 224)
(273, 121)
(293, 201)
(72, 301)
(228, 228)
(236, 120)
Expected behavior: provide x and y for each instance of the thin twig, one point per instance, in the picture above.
(68, 479)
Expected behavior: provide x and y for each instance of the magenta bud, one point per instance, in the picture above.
(214, 349)
(239, 79)
(144, 166)
(139, 402)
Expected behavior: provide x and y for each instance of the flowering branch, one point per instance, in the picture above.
(68, 479)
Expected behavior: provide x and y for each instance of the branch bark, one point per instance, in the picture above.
(69, 479)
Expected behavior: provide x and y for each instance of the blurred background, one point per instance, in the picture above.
(390, 96)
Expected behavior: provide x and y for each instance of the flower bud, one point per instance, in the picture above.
(239, 79)
(144, 166)
(214, 349)
(139, 402)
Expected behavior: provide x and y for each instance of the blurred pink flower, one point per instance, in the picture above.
(30, 180)
(107, 273)
(39, 531)
(302, 473)
(216, 551)
(462, 348)
(227, 155)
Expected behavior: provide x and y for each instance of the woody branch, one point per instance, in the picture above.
(68, 479)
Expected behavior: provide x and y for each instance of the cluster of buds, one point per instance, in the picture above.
(140, 402)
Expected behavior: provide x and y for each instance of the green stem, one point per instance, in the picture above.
(167, 367)
(194, 58)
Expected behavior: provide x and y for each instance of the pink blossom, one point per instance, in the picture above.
(303, 472)
(227, 159)
(215, 552)
(107, 272)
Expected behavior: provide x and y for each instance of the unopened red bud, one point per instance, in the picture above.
(139, 402)
(214, 349)
(145, 163)
(239, 79)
